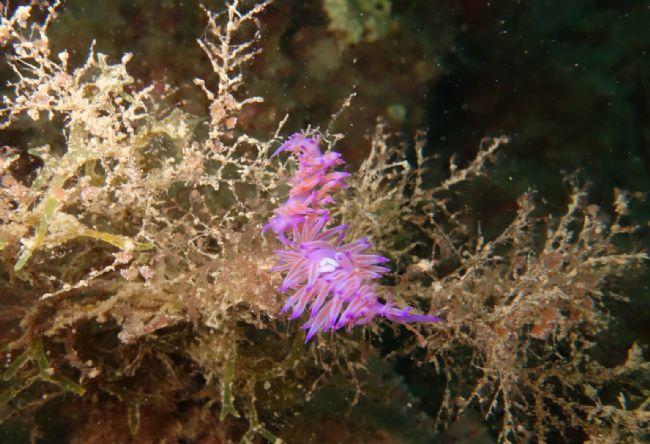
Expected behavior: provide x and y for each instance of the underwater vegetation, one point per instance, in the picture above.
(140, 301)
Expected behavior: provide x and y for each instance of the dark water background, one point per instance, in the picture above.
(567, 81)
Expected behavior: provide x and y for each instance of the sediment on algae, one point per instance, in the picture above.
(136, 284)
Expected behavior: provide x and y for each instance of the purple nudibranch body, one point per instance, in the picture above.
(333, 280)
